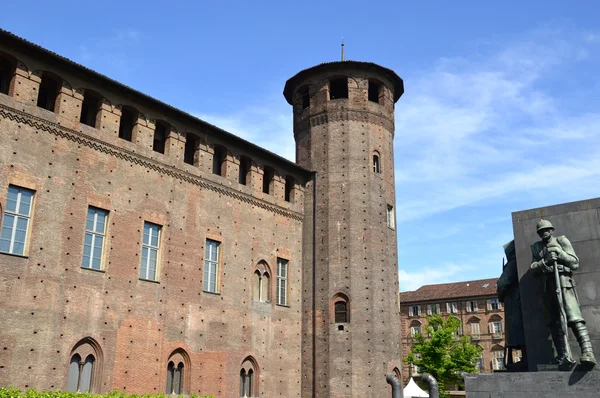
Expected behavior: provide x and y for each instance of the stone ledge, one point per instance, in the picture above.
(577, 383)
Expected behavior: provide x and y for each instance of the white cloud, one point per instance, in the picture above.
(412, 280)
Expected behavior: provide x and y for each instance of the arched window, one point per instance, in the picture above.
(84, 375)
(268, 177)
(177, 373)
(48, 91)
(129, 118)
(262, 283)
(415, 328)
(219, 157)
(245, 167)
(341, 309)
(249, 379)
(80, 373)
(7, 73)
(376, 164)
(90, 107)
(338, 88)
(161, 132)
(290, 182)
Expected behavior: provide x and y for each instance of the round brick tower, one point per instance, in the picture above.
(344, 131)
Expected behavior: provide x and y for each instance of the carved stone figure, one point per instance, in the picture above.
(509, 294)
(554, 261)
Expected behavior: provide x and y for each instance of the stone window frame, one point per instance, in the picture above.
(94, 234)
(83, 350)
(249, 378)
(391, 217)
(17, 216)
(282, 282)
(211, 262)
(150, 248)
(261, 282)
(181, 369)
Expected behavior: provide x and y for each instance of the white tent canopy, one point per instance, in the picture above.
(412, 390)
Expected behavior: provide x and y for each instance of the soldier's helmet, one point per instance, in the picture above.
(544, 224)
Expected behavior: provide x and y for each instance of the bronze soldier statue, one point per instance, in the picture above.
(554, 261)
(509, 294)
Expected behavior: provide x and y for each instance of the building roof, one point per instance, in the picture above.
(443, 291)
(59, 59)
(293, 81)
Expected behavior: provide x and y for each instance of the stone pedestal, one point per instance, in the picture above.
(577, 383)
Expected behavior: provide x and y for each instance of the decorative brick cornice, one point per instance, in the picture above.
(135, 158)
(328, 116)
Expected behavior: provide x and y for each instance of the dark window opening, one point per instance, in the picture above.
(376, 167)
(160, 137)
(341, 328)
(374, 90)
(191, 147)
(48, 92)
(174, 378)
(244, 170)
(338, 88)
(268, 180)
(7, 72)
(341, 313)
(289, 188)
(89, 108)
(80, 374)
(304, 97)
(128, 120)
(219, 156)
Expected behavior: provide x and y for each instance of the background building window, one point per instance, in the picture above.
(415, 328)
(415, 310)
(433, 309)
(93, 244)
(471, 306)
(498, 360)
(451, 308)
(282, 281)
(150, 245)
(211, 266)
(494, 305)
(15, 223)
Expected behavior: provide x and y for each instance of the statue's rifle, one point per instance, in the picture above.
(563, 315)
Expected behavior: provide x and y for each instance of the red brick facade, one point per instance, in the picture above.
(76, 140)
(475, 303)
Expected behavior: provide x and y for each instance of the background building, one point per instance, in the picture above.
(475, 303)
(143, 249)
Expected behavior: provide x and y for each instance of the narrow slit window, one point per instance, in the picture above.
(211, 266)
(376, 165)
(338, 88)
(160, 137)
(95, 235)
(128, 120)
(282, 281)
(150, 246)
(391, 217)
(16, 220)
(191, 147)
(48, 92)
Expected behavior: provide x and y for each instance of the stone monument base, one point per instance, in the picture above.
(577, 383)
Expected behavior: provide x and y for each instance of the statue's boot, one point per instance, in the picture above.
(583, 338)
(564, 361)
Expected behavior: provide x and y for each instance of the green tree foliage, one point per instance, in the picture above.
(12, 392)
(444, 354)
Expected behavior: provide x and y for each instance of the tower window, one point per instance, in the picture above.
(89, 108)
(338, 88)
(374, 91)
(48, 91)
(191, 147)
(391, 217)
(289, 188)
(244, 170)
(7, 72)
(376, 165)
(219, 156)
(268, 176)
(128, 120)
(160, 137)
(341, 312)
(304, 97)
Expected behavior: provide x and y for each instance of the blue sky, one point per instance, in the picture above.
(501, 111)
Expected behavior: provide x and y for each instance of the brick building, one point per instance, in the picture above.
(475, 303)
(143, 249)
